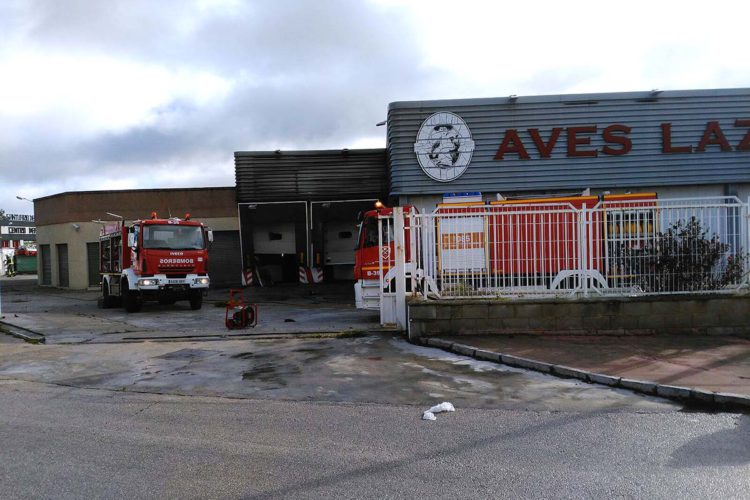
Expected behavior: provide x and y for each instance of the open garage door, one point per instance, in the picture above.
(334, 235)
(275, 240)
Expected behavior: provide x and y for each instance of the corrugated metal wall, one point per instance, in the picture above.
(644, 165)
(310, 175)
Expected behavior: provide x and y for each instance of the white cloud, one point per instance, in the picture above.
(135, 93)
(91, 93)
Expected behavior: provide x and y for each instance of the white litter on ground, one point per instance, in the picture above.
(441, 408)
(430, 414)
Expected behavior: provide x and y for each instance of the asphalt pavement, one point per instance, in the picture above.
(321, 402)
(61, 442)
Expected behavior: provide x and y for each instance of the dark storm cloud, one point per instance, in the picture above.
(304, 75)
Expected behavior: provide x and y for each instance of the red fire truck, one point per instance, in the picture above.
(162, 260)
(513, 240)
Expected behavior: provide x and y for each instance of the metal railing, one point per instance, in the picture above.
(621, 247)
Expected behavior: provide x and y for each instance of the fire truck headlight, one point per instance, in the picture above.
(148, 282)
(201, 281)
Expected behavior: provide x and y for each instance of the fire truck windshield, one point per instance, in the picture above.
(370, 229)
(173, 237)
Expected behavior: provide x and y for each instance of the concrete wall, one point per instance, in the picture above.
(704, 314)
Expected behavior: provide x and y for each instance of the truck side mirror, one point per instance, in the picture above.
(210, 236)
(131, 240)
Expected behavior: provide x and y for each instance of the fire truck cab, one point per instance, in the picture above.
(375, 252)
(163, 260)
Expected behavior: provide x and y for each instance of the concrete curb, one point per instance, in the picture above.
(689, 395)
(22, 333)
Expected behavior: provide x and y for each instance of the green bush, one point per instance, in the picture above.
(685, 258)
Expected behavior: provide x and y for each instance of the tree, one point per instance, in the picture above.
(685, 258)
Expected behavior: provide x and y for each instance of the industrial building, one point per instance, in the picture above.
(675, 143)
(69, 224)
(297, 210)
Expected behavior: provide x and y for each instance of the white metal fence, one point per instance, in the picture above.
(621, 247)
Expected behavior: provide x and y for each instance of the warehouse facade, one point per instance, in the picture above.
(675, 143)
(292, 215)
(298, 210)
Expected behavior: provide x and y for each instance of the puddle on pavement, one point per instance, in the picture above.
(243, 355)
(188, 354)
(270, 369)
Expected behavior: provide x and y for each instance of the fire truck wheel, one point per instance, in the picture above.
(196, 299)
(107, 300)
(130, 299)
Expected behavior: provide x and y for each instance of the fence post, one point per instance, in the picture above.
(583, 242)
(399, 246)
(413, 249)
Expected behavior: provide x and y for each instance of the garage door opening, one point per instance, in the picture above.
(274, 240)
(334, 236)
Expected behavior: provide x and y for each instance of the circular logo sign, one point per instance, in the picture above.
(444, 146)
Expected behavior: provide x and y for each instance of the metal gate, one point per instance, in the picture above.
(62, 265)
(46, 264)
(614, 248)
(92, 259)
(224, 259)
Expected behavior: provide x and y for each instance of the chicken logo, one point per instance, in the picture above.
(444, 146)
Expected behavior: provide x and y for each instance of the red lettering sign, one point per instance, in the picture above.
(574, 140)
(623, 140)
(666, 141)
(616, 141)
(713, 135)
(545, 150)
(744, 144)
(512, 144)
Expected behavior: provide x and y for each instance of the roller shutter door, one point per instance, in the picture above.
(62, 265)
(46, 264)
(92, 255)
(225, 264)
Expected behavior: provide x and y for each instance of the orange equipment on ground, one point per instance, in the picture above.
(238, 314)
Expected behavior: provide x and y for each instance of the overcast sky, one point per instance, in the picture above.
(120, 94)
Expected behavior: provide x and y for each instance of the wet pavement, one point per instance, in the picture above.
(64, 316)
(310, 344)
(381, 368)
